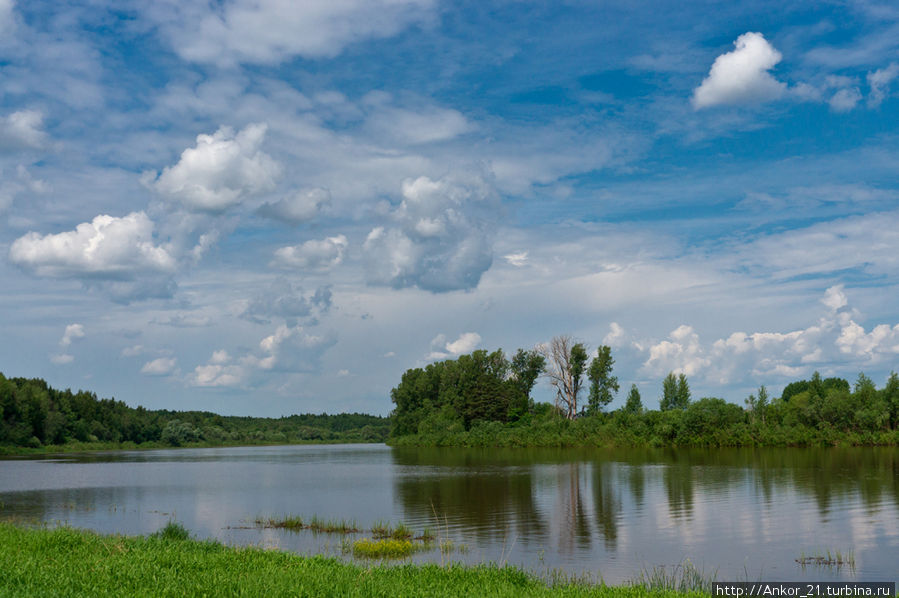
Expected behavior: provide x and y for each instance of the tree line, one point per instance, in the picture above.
(484, 399)
(33, 414)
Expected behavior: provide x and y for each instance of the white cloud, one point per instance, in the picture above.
(299, 207)
(313, 255)
(159, 367)
(466, 343)
(682, 354)
(835, 338)
(133, 351)
(834, 298)
(292, 349)
(62, 358)
(270, 31)
(73, 332)
(22, 129)
(441, 349)
(845, 99)
(879, 82)
(443, 239)
(741, 76)
(114, 251)
(615, 337)
(518, 260)
(220, 171)
(414, 127)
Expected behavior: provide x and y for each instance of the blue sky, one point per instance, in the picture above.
(273, 207)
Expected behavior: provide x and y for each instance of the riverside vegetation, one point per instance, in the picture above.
(36, 417)
(68, 562)
(483, 399)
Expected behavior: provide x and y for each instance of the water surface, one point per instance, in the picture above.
(739, 514)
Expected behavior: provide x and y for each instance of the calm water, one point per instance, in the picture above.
(612, 513)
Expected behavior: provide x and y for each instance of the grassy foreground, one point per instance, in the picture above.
(69, 562)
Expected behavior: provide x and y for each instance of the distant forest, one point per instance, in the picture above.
(35, 415)
(483, 399)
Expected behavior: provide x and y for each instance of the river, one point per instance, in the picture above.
(738, 515)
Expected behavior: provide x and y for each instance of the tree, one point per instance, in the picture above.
(758, 405)
(566, 361)
(683, 392)
(526, 367)
(634, 404)
(669, 393)
(675, 392)
(602, 384)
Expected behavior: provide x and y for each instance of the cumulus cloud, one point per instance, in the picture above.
(834, 338)
(741, 76)
(879, 82)
(109, 251)
(313, 255)
(299, 207)
(22, 129)
(285, 300)
(682, 353)
(615, 337)
(73, 332)
(62, 358)
(159, 367)
(441, 349)
(292, 349)
(270, 31)
(442, 239)
(217, 374)
(220, 171)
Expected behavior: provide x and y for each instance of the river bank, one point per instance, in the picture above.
(70, 562)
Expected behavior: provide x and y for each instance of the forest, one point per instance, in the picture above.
(484, 399)
(35, 415)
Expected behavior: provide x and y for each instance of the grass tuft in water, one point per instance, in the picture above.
(388, 548)
(173, 531)
(828, 558)
(683, 577)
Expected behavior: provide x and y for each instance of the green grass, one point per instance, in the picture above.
(388, 548)
(38, 562)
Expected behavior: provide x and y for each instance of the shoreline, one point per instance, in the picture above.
(63, 561)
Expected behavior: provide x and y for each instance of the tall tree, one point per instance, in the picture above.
(683, 391)
(566, 361)
(669, 393)
(526, 367)
(634, 404)
(603, 385)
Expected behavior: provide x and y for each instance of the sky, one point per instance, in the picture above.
(266, 207)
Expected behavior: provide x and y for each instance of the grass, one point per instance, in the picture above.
(388, 548)
(42, 562)
(829, 558)
(316, 524)
(683, 577)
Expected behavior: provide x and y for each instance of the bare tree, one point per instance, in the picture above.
(566, 361)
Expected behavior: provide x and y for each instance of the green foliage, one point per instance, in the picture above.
(68, 562)
(634, 404)
(173, 531)
(675, 392)
(34, 415)
(603, 385)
